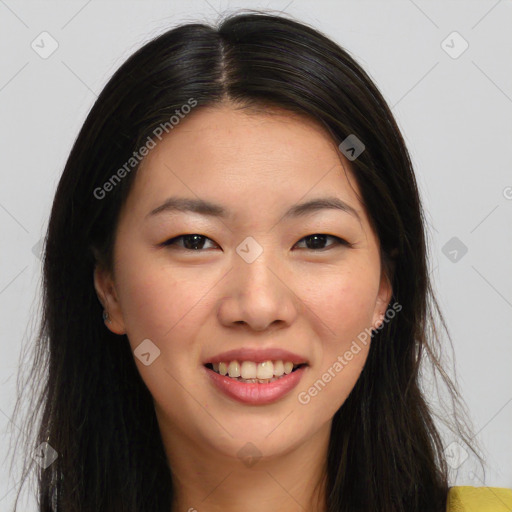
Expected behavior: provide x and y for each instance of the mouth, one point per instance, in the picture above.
(255, 383)
(255, 375)
(251, 372)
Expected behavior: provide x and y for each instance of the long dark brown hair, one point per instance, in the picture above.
(88, 399)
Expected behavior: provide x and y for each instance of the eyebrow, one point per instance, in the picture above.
(202, 207)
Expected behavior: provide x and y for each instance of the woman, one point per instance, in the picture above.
(236, 294)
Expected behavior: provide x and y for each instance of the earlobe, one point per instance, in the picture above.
(383, 299)
(106, 293)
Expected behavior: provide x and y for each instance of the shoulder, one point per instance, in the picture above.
(479, 499)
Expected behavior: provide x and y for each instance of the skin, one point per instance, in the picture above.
(196, 304)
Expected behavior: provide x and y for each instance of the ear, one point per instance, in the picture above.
(106, 292)
(383, 298)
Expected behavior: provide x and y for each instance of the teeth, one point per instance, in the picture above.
(267, 371)
(278, 368)
(248, 370)
(234, 369)
(223, 368)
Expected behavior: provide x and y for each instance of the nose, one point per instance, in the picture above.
(259, 294)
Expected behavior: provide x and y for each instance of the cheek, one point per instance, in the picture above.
(344, 301)
(147, 305)
(159, 306)
(155, 302)
(344, 307)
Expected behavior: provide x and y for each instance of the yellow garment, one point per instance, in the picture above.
(479, 499)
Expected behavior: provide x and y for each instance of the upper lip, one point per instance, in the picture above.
(257, 355)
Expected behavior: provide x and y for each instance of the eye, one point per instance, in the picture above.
(319, 239)
(191, 242)
(196, 242)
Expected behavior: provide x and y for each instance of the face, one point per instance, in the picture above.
(268, 280)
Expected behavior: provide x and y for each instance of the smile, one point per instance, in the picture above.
(245, 386)
(252, 372)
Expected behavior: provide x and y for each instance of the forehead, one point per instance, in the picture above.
(243, 156)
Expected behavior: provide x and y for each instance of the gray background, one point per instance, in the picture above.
(455, 112)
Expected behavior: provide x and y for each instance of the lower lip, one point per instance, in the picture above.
(255, 393)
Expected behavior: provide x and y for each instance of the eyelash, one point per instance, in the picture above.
(339, 241)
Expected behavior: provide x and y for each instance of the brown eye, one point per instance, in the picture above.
(191, 242)
(317, 241)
